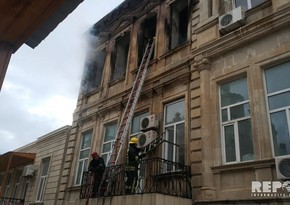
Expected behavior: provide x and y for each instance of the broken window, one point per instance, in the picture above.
(93, 72)
(178, 23)
(147, 33)
(119, 56)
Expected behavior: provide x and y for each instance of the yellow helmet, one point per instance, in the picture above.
(134, 140)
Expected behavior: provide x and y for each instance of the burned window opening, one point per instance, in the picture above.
(93, 72)
(147, 33)
(178, 24)
(119, 56)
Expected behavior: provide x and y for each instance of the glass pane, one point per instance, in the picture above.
(45, 164)
(245, 140)
(170, 138)
(240, 111)
(174, 112)
(242, 3)
(40, 189)
(230, 144)
(180, 142)
(135, 125)
(278, 101)
(224, 115)
(84, 154)
(110, 132)
(234, 92)
(280, 72)
(107, 147)
(256, 2)
(86, 140)
(105, 158)
(280, 132)
(80, 170)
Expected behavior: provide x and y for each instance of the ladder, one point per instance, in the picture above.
(121, 134)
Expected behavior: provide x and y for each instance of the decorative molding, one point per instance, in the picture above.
(203, 64)
(246, 34)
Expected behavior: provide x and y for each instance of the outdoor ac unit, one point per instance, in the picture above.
(231, 20)
(145, 138)
(28, 171)
(283, 167)
(149, 123)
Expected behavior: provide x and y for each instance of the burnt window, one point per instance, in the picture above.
(119, 56)
(178, 23)
(147, 33)
(93, 71)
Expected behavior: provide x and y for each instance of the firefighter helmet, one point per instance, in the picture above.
(134, 140)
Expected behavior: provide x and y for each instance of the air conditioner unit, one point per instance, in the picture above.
(231, 20)
(149, 123)
(283, 167)
(145, 138)
(28, 171)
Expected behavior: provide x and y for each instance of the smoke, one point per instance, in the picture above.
(89, 71)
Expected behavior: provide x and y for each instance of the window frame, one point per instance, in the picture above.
(82, 163)
(249, 4)
(174, 124)
(42, 179)
(108, 153)
(284, 109)
(17, 182)
(235, 123)
(175, 10)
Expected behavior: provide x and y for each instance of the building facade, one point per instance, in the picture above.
(217, 82)
(31, 174)
(218, 85)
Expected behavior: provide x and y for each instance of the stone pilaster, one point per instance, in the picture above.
(207, 191)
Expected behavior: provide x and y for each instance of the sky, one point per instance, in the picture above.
(41, 86)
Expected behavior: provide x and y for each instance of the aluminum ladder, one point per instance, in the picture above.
(122, 132)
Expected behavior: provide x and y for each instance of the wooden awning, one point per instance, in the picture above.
(16, 159)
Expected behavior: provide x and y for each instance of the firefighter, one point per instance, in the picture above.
(133, 159)
(97, 167)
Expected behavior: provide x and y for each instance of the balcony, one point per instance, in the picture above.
(155, 175)
(11, 201)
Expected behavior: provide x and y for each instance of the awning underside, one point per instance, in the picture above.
(17, 159)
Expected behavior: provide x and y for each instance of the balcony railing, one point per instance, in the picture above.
(155, 175)
(11, 201)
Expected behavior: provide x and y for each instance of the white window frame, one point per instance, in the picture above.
(234, 123)
(82, 163)
(108, 153)
(286, 109)
(249, 3)
(43, 179)
(174, 124)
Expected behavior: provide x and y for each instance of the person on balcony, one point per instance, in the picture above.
(131, 168)
(96, 167)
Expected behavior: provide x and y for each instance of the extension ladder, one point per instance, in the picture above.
(122, 132)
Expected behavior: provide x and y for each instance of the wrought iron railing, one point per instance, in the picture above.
(11, 201)
(155, 175)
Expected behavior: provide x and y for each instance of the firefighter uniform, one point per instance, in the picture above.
(132, 166)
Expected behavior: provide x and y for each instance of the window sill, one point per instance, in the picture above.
(94, 91)
(258, 8)
(243, 166)
(174, 50)
(114, 82)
